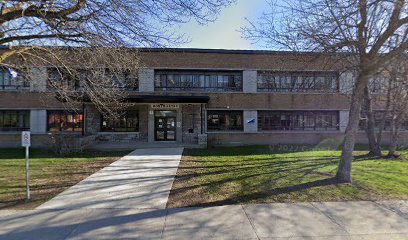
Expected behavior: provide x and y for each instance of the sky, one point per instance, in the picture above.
(223, 33)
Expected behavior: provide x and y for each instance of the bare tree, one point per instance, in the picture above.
(397, 100)
(33, 29)
(363, 28)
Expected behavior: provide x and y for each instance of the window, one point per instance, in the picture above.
(11, 120)
(378, 117)
(124, 79)
(378, 84)
(298, 82)
(128, 122)
(11, 80)
(60, 78)
(298, 120)
(198, 81)
(224, 121)
(64, 121)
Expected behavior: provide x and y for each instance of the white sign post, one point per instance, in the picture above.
(26, 142)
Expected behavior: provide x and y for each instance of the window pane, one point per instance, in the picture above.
(128, 122)
(14, 120)
(224, 120)
(199, 81)
(297, 81)
(64, 121)
(298, 120)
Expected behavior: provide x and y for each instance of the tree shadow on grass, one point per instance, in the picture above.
(275, 191)
(267, 178)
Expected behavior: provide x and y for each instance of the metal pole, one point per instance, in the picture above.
(27, 168)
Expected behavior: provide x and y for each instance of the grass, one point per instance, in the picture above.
(260, 174)
(49, 174)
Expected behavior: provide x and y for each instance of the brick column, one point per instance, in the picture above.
(343, 120)
(346, 82)
(38, 79)
(38, 121)
(250, 121)
(249, 81)
(146, 80)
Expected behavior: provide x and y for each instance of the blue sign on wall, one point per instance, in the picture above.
(251, 121)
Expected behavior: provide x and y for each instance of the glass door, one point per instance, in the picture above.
(165, 126)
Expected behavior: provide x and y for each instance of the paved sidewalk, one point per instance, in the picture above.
(334, 220)
(141, 179)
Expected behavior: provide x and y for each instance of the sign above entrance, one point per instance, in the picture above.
(165, 106)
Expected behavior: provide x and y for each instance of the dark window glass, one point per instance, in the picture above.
(198, 81)
(378, 117)
(298, 82)
(124, 79)
(298, 120)
(64, 121)
(14, 120)
(60, 78)
(224, 121)
(12, 80)
(127, 122)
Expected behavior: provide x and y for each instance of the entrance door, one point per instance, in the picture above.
(165, 127)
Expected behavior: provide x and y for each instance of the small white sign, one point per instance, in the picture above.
(25, 139)
(165, 105)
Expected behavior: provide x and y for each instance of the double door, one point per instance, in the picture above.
(165, 128)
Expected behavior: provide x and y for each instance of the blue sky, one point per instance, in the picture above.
(224, 32)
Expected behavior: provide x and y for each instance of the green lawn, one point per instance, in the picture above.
(50, 174)
(257, 174)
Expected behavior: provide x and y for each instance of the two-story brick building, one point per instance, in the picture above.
(192, 96)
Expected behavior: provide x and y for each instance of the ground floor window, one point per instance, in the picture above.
(224, 121)
(64, 121)
(298, 120)
(14, 120)
(378, 118)
(127, 122)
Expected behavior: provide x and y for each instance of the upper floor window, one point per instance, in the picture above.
(298, 120)
(220, 120)
(61, 79)
(124, 79)
(269, 81)
(378, 84)
(198, 81)
(127, 122)
(11, 80)
(11, 120)
(77, 79)
(64, 121)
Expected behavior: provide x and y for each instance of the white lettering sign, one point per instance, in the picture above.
(25, 139)
(164, 105)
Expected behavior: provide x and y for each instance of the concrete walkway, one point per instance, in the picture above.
(334, 220)
(142, 179)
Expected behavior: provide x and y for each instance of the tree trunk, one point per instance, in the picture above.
(374, 145)
(344, 169)
(385, 113)
(392, 148)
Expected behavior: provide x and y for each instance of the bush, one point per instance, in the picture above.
(66, 144)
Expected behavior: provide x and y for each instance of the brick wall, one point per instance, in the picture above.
(307, 138)
(191, 123)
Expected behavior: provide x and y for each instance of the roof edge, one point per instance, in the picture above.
(209, 50)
